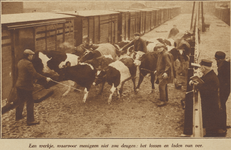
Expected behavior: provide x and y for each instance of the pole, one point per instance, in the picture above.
(192, 15)
(188, 118)
(202, 14)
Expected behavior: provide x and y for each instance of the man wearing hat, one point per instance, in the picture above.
(24, 85)
(224, 78)
(173, 32)
(164, 72)
(210, 102)
(139, 44)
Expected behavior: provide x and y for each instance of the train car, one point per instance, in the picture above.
(35, 31)
(101, 26)
(123, 25)
(153, 17)
(133, 23)
(158, 19)
(223, 13)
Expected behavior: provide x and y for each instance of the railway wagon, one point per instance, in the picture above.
(101, 26)
(148, 20)
(142, 21)
(35, 31)
(158, 19)
(152, 18)
(123, 25)
(161, 15)
(176, 10)
(134, 22)
(223, 13)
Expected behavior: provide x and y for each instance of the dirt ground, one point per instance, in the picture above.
(133, 115)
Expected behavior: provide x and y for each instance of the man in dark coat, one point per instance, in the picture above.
(139, 44)
(24, 85)
(173, 32)
(210, 102)
(224, 78)
(164, 72)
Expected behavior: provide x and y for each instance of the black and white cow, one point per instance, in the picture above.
(116, 74)
(83, 74)
(49, 63)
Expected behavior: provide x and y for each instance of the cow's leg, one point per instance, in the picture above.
(118, 93)
(101, 90)
(140, 81)
(113, 88)
(86, 91)
(152, 82)
(70, 83)
(134, 83)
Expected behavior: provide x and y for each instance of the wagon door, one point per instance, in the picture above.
(104, 29)
(7, 63)
(96, 30)
(91, 28)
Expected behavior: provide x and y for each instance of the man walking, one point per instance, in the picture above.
(24, 85)
(173, 32)
(164, 72)
(224, 78)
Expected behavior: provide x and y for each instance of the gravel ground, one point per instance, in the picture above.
(134, 115)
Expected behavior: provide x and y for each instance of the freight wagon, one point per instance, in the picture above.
(35, 31)
(100, 26)
(223, 13)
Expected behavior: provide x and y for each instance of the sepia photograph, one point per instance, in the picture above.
(116, 74)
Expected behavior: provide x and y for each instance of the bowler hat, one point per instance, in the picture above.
(28, 51)
(206, 62)
(219, 55)
(137, 34)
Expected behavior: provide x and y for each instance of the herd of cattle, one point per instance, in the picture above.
(108, 63)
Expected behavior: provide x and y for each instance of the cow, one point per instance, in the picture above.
(147, 63)
(116, 74)
(83, 74)
(103, 49)
(49, 64)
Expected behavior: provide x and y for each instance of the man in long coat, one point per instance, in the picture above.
(209, 92)
(173, 32)
(138, 42)
(24, 85)
(224, 78)
(164, 72)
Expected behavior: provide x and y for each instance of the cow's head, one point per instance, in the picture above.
(137, 56)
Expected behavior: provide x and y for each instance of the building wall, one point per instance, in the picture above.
(12, 7)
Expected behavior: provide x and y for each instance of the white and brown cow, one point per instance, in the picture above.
(116, 74)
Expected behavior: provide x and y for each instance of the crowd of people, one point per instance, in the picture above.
(214, 90)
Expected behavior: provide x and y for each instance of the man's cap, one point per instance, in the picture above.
(159, 45)
(219, 55)
(137, 34)
(28, 51)
(206, 62)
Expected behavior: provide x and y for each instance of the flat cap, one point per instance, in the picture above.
(137, 34)
(206, 62)
(160, 45)
(28, 51)
(219, 55)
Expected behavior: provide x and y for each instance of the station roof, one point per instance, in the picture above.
(87, 13)
(29, 17)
